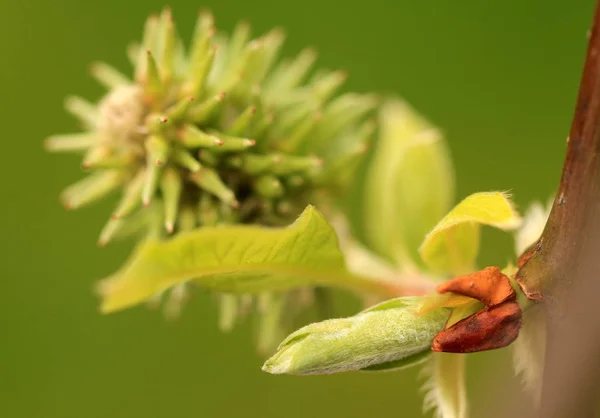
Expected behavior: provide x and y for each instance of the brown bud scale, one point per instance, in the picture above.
(495, 326)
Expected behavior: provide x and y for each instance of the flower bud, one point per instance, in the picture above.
(388, 332)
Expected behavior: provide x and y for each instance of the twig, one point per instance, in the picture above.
(564, 268)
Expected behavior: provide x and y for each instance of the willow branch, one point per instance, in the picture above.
(563, 271)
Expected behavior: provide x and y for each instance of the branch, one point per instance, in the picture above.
(562, 270)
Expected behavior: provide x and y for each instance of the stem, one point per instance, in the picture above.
(563, 268)
(577, 197)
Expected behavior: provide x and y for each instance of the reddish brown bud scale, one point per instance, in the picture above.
(495, 326)
(491, 328)
(489, 286)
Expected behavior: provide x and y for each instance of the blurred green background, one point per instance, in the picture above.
(500, 78)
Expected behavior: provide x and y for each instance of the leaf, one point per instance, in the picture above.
(410, 302)
(446, 300)
(408, 185)
(405, 363)
(234, 259)
(228, 311)
(529, 350)
(452, 246)
(425, 189)
(390, 335)
(532, 227)
(445, 387)
(463, 311)
(271, 327)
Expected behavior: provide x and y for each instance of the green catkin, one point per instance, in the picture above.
(223, 131)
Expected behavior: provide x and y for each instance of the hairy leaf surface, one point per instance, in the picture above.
(234, 259)
(452, 246)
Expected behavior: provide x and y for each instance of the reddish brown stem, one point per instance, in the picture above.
(564, 267)
(577, 198)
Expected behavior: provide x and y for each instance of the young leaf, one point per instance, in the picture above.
(405, 363)
(235, 259)
(271, 328)
(531, 229)
(452, 246)
(228, 311)
(445, 386)
(389, 335)
(408, 185)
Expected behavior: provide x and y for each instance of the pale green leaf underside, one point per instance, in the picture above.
(445, 388)
(452, 246)
(531, 229)
(410, 302)
(409, 185)
(405, 363)
(233, 259)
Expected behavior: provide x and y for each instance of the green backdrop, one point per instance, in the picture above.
(499, 77)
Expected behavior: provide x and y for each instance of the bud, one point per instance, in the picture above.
(389, 332)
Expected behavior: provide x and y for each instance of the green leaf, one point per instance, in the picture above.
(463, 311)
(389, 335)
(445, 388)
(271, 327)
(452, 246)
(408, 185)
(235, 259)
(228, 311)
(409, 302)
(532, 227)
(405, 363)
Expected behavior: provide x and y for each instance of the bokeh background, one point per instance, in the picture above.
(499, 77)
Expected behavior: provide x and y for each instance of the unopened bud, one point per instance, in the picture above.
(388, 332)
